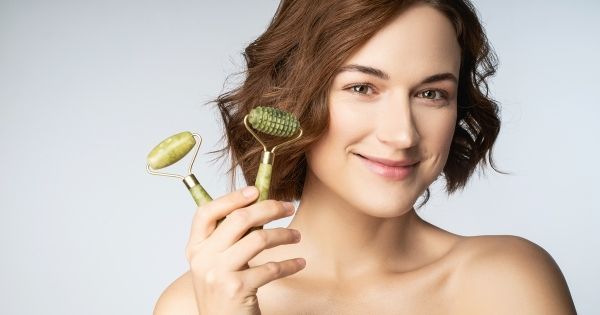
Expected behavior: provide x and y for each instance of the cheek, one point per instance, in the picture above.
(436, 130)
(346, 120)
(346, 126)
(329, 155)
(445, 134)
(319, 155)
(437, 127)
(448, 126)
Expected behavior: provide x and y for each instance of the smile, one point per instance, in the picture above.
(387, 171)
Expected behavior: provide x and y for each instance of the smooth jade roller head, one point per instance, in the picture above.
(273, 121)
(171, 150)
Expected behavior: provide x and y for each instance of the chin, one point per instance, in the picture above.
(366, 192)
(382, 199)
(382, 206)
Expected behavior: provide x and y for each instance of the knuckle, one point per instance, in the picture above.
(275, 206)
(231, 286)
(236, 198)
(261, 237)
(212, 278)
(206, 208)
(239, 216)
(274, 268)
(202, 214)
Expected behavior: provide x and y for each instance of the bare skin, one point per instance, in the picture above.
(469, 279)
(369, 253)
(418, 287)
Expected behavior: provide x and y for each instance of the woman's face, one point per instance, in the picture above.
(394, 99)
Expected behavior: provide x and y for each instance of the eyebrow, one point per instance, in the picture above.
(382, 75)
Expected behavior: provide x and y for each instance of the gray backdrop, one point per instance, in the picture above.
(87, 88)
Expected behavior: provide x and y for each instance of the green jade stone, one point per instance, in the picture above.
(201, 197)
(273, 121)
(263, 180)
(171, 150)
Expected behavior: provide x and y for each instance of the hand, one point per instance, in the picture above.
(219, 255)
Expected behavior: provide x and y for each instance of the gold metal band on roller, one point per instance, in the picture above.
(266, 157)
(190, 181)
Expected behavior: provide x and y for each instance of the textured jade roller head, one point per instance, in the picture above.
(274, 122)
(171, 150)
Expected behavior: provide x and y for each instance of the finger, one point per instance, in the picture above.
(241, 220)
(206, 216)
(258, 276)
(250, 245)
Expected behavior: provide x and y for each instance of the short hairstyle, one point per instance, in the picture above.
(291, 66)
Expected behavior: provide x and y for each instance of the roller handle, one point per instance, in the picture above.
(263, 181)
(201, 197)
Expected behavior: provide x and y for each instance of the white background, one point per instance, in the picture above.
(87, 88)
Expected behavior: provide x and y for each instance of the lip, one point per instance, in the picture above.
(388, 162)
(391, 169)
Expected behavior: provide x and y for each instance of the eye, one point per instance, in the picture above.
(431, 94)
(361, 88)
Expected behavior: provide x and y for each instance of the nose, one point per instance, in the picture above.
(395, 124)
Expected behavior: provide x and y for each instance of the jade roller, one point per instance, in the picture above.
(274, 122)
(173, 149)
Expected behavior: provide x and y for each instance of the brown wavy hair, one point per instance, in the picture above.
(293, 63)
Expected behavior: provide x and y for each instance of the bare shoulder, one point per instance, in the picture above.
(178, 298)
(505, 274)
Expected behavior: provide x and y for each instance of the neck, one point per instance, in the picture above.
(344, 242)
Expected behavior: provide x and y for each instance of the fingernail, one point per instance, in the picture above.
(296, 234)
(249, 191)
(301, 262)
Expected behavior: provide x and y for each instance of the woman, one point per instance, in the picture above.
(391, 95)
